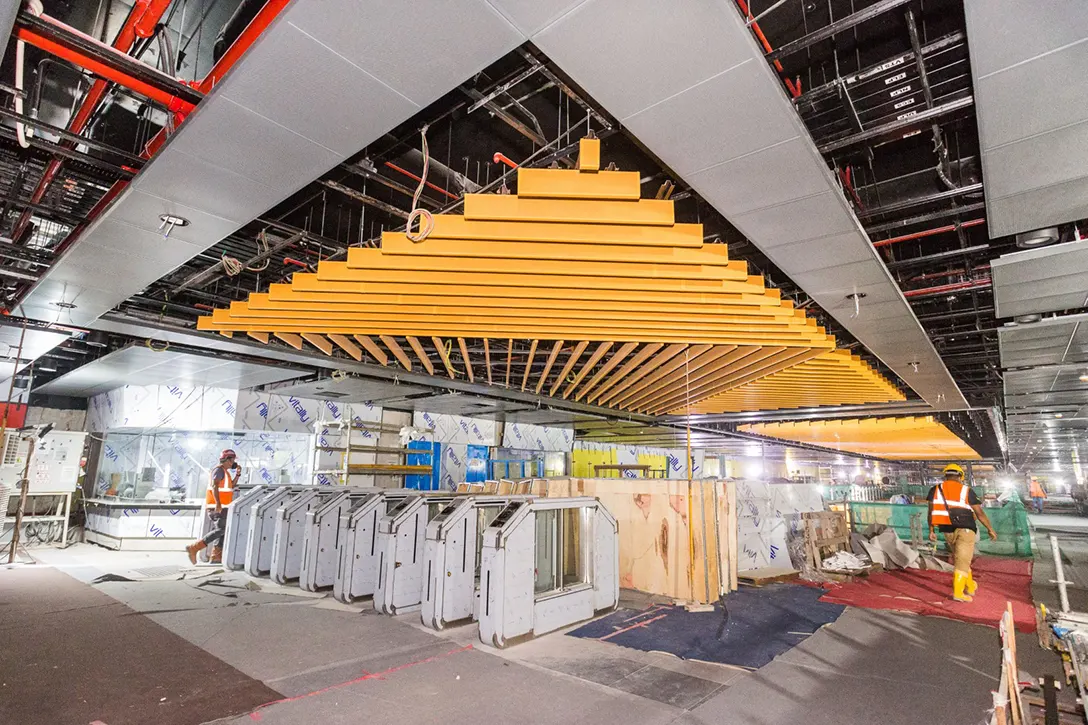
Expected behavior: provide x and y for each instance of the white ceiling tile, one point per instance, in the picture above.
(420, 49)
(694, 130)
(834, 251)
(812, 217)
(1006, 32)
(532, 16)
(144, 211)
(631, 54)
(1037, 162)
(363, 108)
(235, 138)
(767, 178)
(210, 188)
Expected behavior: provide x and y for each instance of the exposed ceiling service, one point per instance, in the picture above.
(841, 167)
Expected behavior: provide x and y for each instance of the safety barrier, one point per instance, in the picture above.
(1009, 521)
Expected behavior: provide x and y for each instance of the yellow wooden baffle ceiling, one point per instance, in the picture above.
(910, 438)
(585, 289)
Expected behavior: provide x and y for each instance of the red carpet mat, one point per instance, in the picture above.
(70, 655)
(930, 593)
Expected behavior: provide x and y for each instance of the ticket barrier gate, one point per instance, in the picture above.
(357, 571)
(289, 531)
(451, 559)
(323, 535)
(262, 528)
(238, 515)
(546, 564)
(400, 541)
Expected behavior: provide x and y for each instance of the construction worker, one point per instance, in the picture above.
(953, 509)
(1038, 495)
(220, 494)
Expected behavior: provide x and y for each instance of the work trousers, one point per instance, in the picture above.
(219, 528)
(961, 543)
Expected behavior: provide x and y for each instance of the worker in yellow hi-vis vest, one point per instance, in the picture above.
(953, 509)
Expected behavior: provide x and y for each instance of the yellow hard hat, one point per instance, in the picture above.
(953, 468)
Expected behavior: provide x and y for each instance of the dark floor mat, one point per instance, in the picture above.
(751, 627)
(73, 655)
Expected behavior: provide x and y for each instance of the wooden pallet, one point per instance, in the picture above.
(767, 575)
(825, 531)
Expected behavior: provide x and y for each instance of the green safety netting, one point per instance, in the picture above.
(1010, 522)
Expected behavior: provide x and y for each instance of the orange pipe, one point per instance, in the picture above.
(500, 158)
(929, 232)
(145, 13)
(439, 189)
(795, 91)
(101, 69)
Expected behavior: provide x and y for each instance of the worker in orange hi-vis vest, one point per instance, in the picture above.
(1038, 495)
(220, 494)
(953, 509)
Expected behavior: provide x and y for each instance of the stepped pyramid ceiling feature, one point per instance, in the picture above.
(907, 439)
(627, 308)
(835, 378)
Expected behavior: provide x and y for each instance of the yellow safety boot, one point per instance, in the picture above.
(959, 582)
(971, 586)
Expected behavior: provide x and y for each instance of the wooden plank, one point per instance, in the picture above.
(347, 346)
(576, 184)
(664, 381)
(440, 345)
(618, 357)
(509, 359)
(529, 364)
(397, 350)
(767, 575)
(421, 354)
(226, 333)
(548, 366)
(372, 347)
(571, 360)
(319, 341)
(487, 360)
(510, 208)
(290, 338)
(259, 336)
(640, 357)
(468, 361)
(689, 357)
(454, 227)
(645, 369)
(600, 352)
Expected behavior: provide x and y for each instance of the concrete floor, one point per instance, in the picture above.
(344, 664)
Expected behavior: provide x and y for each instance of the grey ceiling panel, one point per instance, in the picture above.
(764, 178)
(636, 61)
(194, 182)
(768, 179)
(1039, 161)
(532, 16)
(1053, 341)
(1056, 77)
(228, 138)
(139, 365)
(324, 80)
(144, 211)
(361, 101)
(1026, 31)
(1028, 63)
(351, 390)
(800, 220)
(419, 49)
(665, 124)
(1041, 280)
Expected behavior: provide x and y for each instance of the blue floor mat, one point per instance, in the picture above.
(749, 628)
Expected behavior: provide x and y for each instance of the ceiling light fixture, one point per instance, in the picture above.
(169, 222)
(1058, 415)
(1084, 378)
(1037, 238)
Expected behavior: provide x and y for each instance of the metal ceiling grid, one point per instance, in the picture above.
(1046, 390)
(716, 114)
(268, 129)
(1051, 279)
(1028, 62)
(351, 389)
(140, 365)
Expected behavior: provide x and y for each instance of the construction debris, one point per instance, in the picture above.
(844, 561)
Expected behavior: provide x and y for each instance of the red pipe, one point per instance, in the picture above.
(169, 100)
(795, 90)
(145, 14)
(500, 158)
(929, 232)
(151, 9)
(297, 263)
(955, 287)
(439, 189)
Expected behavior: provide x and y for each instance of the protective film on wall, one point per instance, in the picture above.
(458, 429)
(768, 518)
(527, 436)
